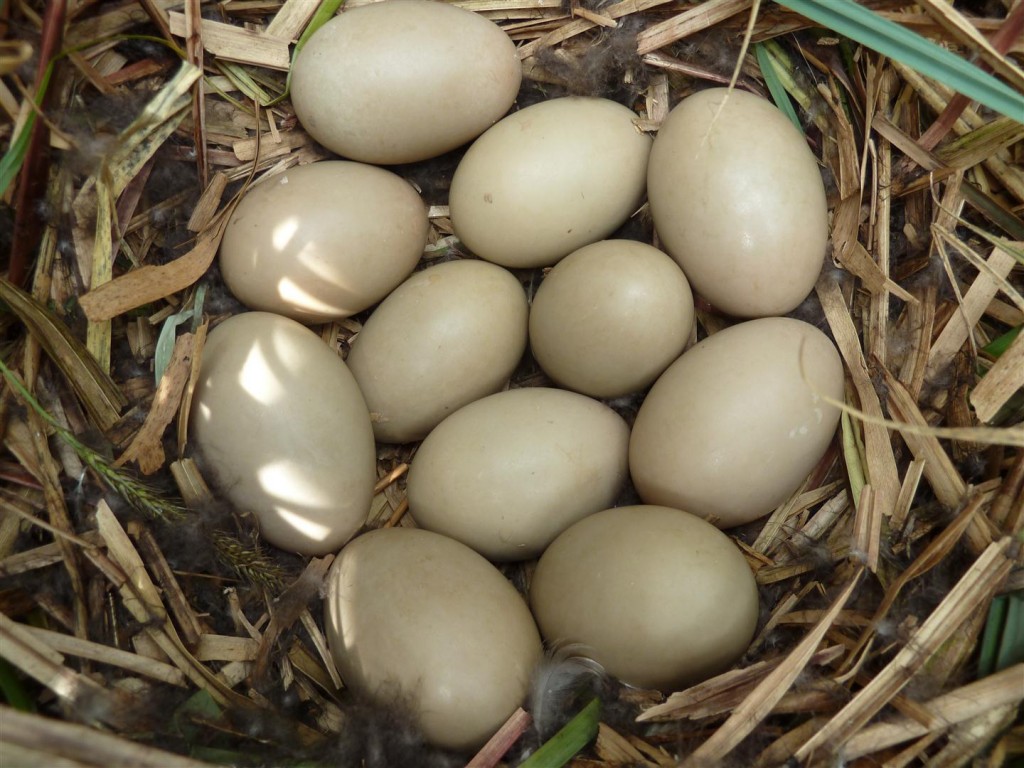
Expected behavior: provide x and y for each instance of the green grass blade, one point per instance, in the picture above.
(770, 70)
(858, 23)
(989, 650)
(324, 13)
(852, 452)
(12, 689)
(574, 736)
(997, 346)
(13, 158)
(1011, 642)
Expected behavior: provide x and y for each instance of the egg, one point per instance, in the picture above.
(403, 80)
(610, 317)
(509, 472)
(732, 428)
(324, 241)
(418, 619)
(738, 201)
(282, 431)
(549, 179)
(658, 596)
(447, 336)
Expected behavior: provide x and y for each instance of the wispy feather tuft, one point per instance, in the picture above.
(562, 682)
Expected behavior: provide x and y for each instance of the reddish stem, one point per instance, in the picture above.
(35, 170)
(1001, 40)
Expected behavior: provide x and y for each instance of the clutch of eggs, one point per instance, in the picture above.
(660, 596)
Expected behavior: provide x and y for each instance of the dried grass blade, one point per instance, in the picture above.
(13, 53)
(687, 23)
(194, 49)
(873, 31)
(79, 742)
(105, 654)
(966, 33)
(46, 666)
(955, 707)
(939, 470)
(100, 396)
(150, 283)
(978, 297)
(746, 717)
(293, 16)
(930, 557)
(147, 447)
(126, 571)
(1001, 382)
(578, 26)
(498, 745)
(977, 586)
(723, 692)
(237, 43)
(881, 464)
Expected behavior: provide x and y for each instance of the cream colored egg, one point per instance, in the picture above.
(508, 473)
(403, 80)
(447, 336)
(660, 597)
(282, 431)
(736, 424)
(610, 317)
(324, 241)
(549, 179)
(738, 201)
(416, 618)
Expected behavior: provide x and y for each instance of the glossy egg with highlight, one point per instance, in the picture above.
(282, 431)
(324, 241)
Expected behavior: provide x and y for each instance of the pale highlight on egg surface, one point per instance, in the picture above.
(282, 431)
(733, 427)
(323, 241)
(403, 80)
(738, 200)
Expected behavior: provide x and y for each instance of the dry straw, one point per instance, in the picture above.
(877, 644)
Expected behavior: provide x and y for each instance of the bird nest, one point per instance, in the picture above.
(143, 622)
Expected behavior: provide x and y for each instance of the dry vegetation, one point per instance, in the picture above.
(139, 620)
